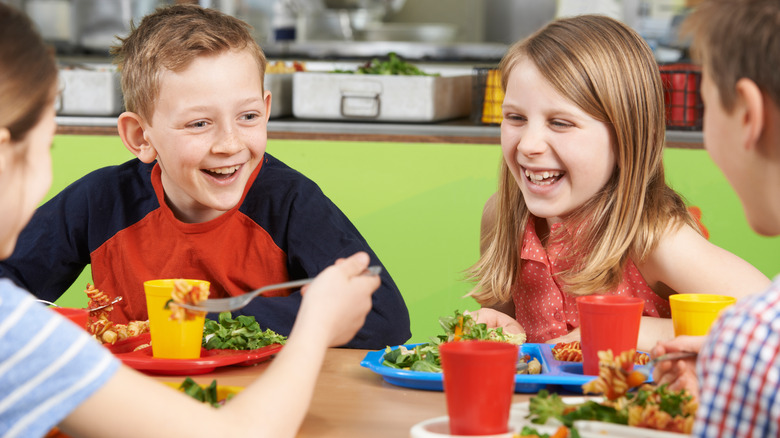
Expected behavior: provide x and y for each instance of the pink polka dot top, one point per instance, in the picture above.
(541, 306)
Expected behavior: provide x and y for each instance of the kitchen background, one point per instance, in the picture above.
(415, 190)
(286, 26)
(450, 37)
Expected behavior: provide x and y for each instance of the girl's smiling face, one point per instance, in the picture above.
(559, 155)
(209, 133)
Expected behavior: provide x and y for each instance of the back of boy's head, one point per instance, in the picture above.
(28, 73)
(735, 39)
(170, 39)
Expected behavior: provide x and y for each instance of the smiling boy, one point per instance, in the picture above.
(207, 143)
(738, 366)
(203, 200)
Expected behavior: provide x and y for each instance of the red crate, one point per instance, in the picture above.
(684, 108)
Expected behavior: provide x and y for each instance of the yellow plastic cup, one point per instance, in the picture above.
(172, 339)
(693, 314)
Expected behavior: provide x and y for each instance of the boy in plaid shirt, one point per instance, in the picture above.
(737, 374)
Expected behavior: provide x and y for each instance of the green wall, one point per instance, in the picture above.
(693, 174)
(419, 206)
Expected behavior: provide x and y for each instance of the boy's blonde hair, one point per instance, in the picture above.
(170, 39)
(608, 71)
(28, 73)
(737, 39)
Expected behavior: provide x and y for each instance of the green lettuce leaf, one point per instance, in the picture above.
(460, 326)
(241, 333)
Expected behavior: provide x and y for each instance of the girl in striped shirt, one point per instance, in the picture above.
(52, 373)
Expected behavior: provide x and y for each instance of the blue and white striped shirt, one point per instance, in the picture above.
(48, 365)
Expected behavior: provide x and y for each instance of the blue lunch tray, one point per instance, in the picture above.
(554, 372)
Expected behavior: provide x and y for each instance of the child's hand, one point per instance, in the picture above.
(305, 287)
(494, 319)
(679, 374)
(573, 335)
(337, 302)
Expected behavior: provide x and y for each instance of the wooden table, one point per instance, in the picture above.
(349, 400)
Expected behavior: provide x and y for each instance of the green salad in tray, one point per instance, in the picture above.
(239, 333)
(393, 65)
(460, 327)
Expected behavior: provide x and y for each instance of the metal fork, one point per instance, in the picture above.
(93, 309)
(647, 368)
(216, 305)
(643, 372)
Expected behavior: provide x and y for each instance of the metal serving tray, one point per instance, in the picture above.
(355, 97)
(280, 86)
(89, 90)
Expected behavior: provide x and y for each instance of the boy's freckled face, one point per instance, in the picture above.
(209, 130)
(559, 155)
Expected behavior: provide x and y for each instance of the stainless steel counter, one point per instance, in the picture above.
(450, 128)
(461, 127)
(93, 122)
(461, 130)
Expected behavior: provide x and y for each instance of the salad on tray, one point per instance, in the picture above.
(459, 327)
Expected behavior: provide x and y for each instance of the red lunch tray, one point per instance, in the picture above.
(209, 360)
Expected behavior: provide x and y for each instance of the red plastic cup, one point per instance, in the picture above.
(479, 381)
(607, 322)
(78, 316)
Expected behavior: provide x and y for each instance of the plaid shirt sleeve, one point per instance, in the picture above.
(739, 370)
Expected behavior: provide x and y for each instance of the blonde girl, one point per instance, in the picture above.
(582, 205)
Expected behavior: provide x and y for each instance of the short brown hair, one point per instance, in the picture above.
(28, 73)
(735, 39)
(170, 39)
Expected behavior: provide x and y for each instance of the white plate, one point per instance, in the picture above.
(439, 427)
(599, 429)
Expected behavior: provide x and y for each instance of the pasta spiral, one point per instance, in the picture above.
(101, 327)
(184, 292)
(572, 352)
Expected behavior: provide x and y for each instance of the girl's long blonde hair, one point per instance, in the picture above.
(607, 70)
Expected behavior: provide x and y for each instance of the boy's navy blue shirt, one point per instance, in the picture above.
(116, 219)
